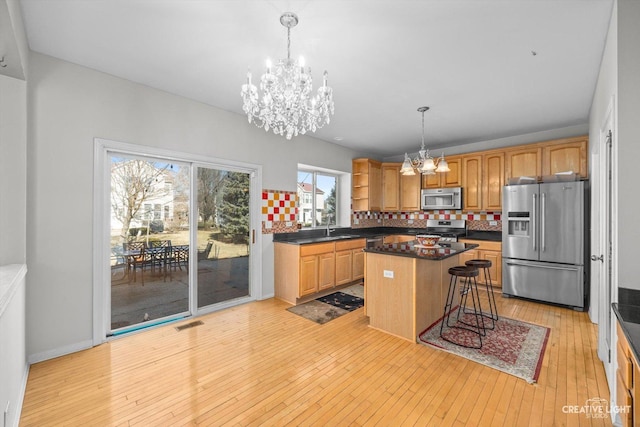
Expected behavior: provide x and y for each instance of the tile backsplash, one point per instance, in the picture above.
(475, 220)
(279, 211)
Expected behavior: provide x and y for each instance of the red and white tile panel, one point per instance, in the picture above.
(279, 211)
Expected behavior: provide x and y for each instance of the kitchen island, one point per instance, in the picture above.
(406, 285)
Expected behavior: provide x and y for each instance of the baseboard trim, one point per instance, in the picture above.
(20, 401)
(57, 352)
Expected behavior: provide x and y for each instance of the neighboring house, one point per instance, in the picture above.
(159, 197)
(306, 204)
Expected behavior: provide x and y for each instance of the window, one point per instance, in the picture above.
(317, 196)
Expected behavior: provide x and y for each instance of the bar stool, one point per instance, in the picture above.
(467, 276)
(485, 265)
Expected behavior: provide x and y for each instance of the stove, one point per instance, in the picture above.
(448, 230)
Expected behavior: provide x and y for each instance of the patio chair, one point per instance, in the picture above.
(159, 253)
(136, 258)
(204, 254)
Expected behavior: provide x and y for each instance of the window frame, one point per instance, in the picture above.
(314, 173)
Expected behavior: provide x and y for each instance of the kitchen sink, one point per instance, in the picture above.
(324, 239)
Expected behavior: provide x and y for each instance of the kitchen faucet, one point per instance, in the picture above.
(329, 230)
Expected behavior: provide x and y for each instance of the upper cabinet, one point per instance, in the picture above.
(472, 182)
(410, 192)
(391, 186)
(492, 181)
(482, 181)
(453, 178)
(523, 162)
(379, 186)
(399, 192)
(366, 192)
(565, 155)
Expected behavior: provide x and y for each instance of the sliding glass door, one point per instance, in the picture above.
(149, 240)
(223, 235)
(179, 238)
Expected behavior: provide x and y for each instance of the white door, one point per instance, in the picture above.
(602, 205)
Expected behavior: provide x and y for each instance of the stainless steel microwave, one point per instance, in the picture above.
(441, 198)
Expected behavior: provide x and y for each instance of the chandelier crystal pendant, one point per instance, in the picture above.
(288, 105)
(423, 163)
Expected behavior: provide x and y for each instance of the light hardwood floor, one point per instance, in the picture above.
(258, 364)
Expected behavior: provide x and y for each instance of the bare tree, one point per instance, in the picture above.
(132, 183)
(210, 182)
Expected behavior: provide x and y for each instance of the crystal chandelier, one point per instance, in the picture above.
(288, 106)
(423, 163)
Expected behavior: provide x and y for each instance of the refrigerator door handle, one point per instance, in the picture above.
(534, 221)
(546, 266)
(543, 214)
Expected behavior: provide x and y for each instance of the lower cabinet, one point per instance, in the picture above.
(627, 371)
(488, 250)
(304, 270)
(349, 261)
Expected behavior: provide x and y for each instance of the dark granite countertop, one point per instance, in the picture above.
(318, 235)
(413, 250)
(494, 236)
(629, 318)
(341, 233)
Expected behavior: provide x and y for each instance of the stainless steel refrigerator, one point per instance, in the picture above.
(544, 242)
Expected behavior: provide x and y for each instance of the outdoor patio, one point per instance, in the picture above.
(165, 293)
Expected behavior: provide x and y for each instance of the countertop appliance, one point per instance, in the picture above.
(544, 248)
(448, 230)
(441, 198)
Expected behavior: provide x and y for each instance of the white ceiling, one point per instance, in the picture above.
(471, 61)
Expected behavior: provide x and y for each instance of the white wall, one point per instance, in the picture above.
(69, 106)
(13, 165)
(628, 141)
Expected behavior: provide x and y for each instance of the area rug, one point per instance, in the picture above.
(332, 306)
(513, 346)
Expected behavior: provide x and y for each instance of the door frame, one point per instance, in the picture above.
(600, 240)
(101, 200)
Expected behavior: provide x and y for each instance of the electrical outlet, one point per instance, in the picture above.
(388, 274)
(356, 221)
(410, 221)
(493, 222)
(289, 223)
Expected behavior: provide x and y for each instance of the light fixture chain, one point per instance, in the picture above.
(289, 43)
(423, 130)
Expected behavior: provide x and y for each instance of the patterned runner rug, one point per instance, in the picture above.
(332, 306)
(513, 346)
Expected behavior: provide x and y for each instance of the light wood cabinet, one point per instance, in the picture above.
(301, 271)
(453, 178)
(349, 261)
(472, 182)
(317, 267)
(492, 181)
(410, 192)
(565, 155)
(625, 387)
(308, 275)
(523, 162)
(391, 187)
(366, 191)
(326, 271)
(482, 181)
(488, 250)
